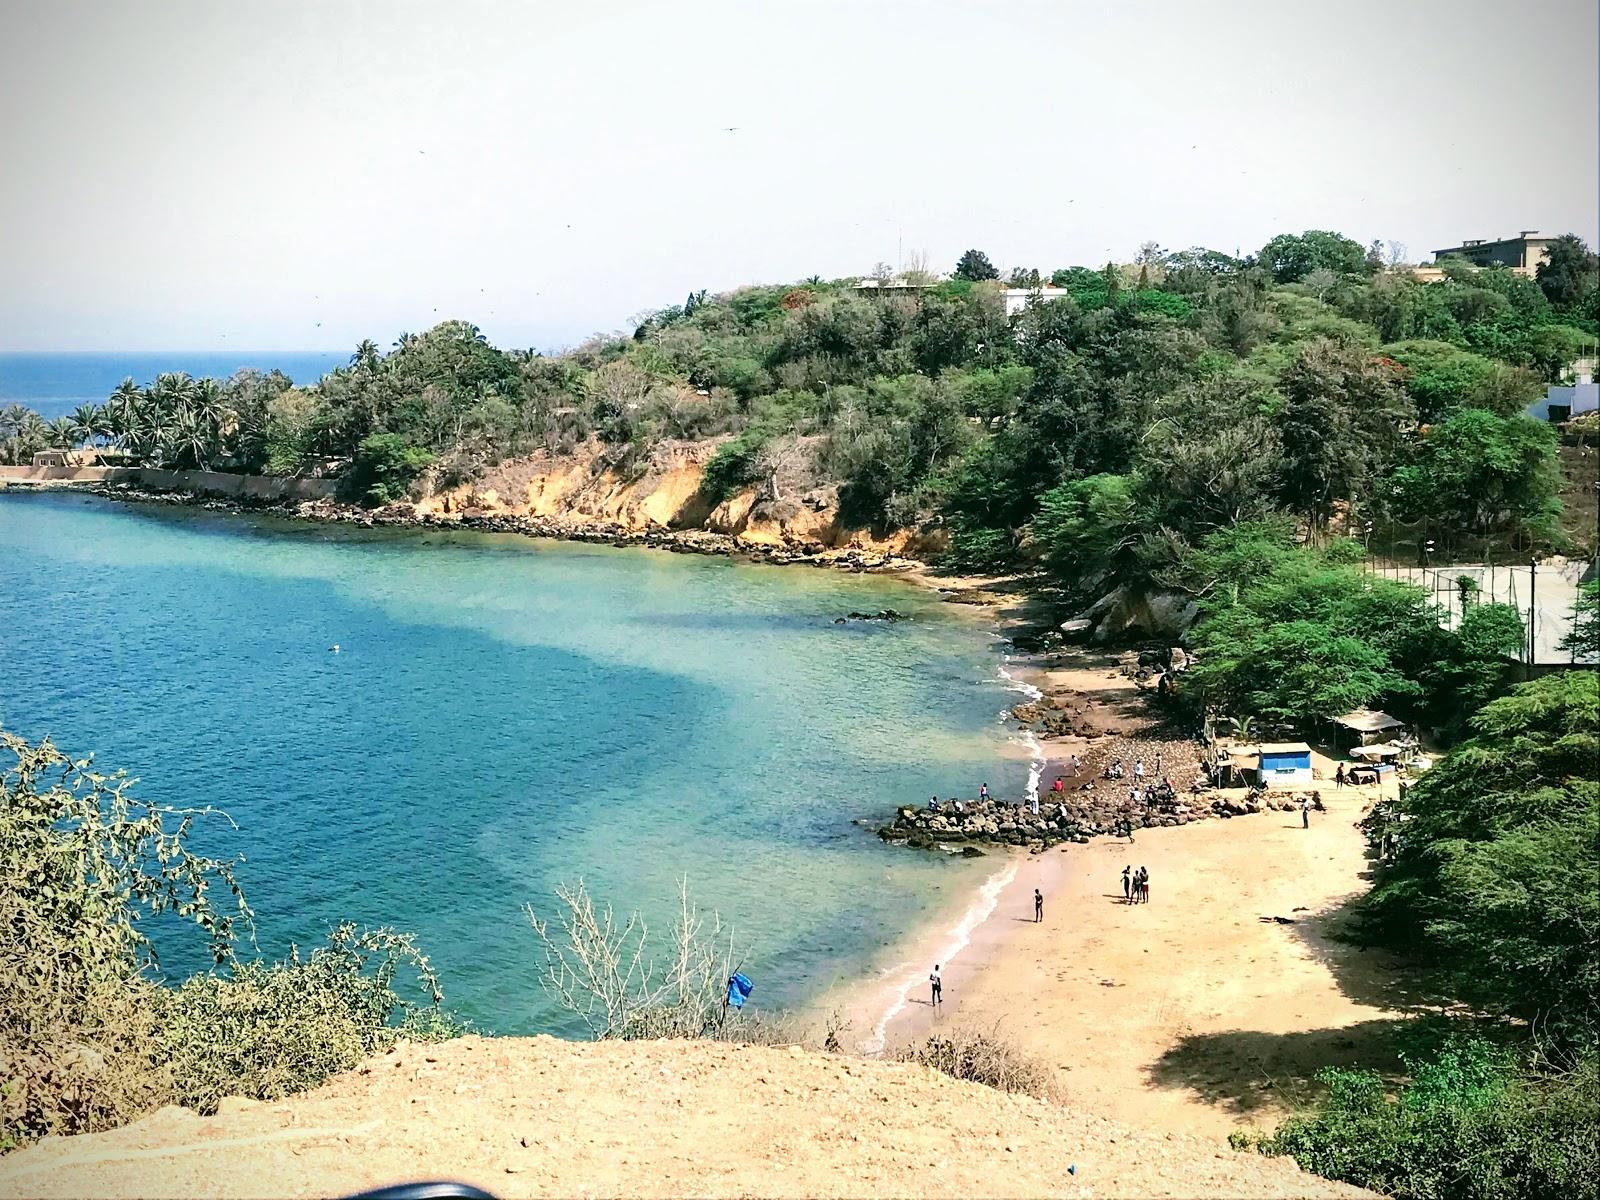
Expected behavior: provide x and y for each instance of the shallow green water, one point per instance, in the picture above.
(505, 714)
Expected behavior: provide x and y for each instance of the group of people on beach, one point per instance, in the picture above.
(1135, 885)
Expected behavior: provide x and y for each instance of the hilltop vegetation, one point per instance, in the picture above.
(1174, 396)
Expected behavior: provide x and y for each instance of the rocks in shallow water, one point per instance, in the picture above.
(886, 614)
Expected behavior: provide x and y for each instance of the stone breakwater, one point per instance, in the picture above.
(1069, 817)
(681, 541)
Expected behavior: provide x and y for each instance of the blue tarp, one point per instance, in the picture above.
(739, 989)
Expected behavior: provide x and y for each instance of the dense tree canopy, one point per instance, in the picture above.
(1498, 864)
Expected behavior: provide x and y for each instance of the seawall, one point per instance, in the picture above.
(266, 488)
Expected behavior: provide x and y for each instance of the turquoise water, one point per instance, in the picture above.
(506, 714)
(55, 383)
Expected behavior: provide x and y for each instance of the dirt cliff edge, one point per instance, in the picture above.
(541, 1117)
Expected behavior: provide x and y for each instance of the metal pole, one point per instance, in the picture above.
(1533, 584)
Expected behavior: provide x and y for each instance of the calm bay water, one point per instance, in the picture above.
(57, 382)
(505, 714)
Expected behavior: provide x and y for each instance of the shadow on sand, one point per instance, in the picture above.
(1244, 1071)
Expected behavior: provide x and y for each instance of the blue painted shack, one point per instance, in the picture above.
(1286, 764)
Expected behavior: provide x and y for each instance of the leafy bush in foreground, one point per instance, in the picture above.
(88, 1039)
(1471, 1125)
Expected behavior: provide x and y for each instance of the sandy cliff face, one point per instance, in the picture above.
(539, 1117)
(584, 487)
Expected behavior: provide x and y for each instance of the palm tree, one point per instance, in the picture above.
(89, 420)
(367, 355)
(186, 441)
(11, 419)
(122, 410)
(62, 433)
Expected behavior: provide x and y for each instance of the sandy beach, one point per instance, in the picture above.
(1206, 1010)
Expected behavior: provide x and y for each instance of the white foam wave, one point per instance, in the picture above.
(959, 937)
(1035, 750)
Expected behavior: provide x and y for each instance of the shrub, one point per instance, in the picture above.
(982, 1058)
(1470, 1125)
(603, 969)
(732, 466)
(267, 1031)
(385, 468)
(87, 1039)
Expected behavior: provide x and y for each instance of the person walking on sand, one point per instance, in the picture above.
(1038, 905)
(1127, 885)
(1076, 764)
(1305, 813)
(937, 986)
(1338, 776)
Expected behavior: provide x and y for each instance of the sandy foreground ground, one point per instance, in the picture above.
(539, 1117)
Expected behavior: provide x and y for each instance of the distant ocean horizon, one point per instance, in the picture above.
(54, 382)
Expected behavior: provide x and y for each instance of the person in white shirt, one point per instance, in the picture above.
(937, 986)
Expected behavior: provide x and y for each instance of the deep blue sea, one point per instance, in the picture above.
(57, 382)
(503, 715)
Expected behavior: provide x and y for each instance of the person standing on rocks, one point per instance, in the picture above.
(1127, 884)
(937, 986)
(983, 791)
(1038, 905)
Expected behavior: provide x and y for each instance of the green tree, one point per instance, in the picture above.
(386, 466)
(1441, 378)
(1291, 257)
(1478, 472)
(1473, 664)
(1570, 273)
(974, 265)
(1088, 531)
(90, 424)
(1302, 635)
(1497, 863)
(1339, 427)
(1584, 638)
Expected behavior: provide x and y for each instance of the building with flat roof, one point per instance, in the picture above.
(1522, 253)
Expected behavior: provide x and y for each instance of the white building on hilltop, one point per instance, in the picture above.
(1018, 299)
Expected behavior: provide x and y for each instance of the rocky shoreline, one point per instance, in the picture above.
(1074, 817)
(608, 533)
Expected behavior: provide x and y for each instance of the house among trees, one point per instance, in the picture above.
(1522, 254)
(1018, 299)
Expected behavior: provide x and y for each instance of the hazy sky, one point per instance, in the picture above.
(217, 174)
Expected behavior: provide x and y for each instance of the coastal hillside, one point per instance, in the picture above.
(1098, 422)
(541, 1117)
